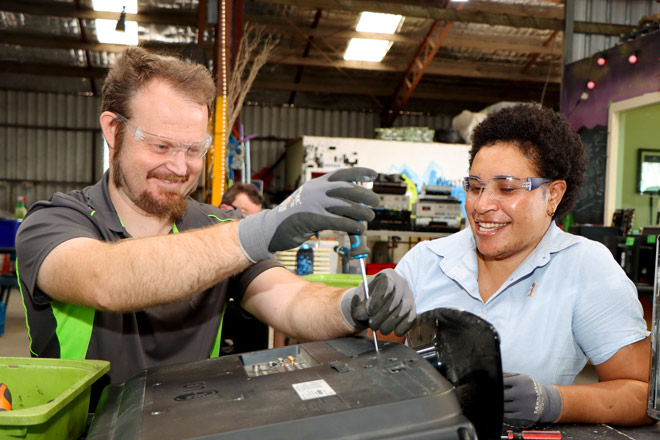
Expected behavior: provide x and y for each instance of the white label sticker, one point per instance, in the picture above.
(313, 390)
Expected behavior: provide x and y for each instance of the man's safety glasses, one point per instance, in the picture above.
(165, 146)
(501, 188)
(241, 210)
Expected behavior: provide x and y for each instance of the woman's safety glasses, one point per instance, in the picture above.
(165, 146)
(501, 188)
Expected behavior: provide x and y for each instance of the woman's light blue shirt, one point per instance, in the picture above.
(568, 301)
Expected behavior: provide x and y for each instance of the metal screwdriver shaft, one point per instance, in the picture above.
(360, 251)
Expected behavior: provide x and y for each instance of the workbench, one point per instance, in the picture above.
(577, 431)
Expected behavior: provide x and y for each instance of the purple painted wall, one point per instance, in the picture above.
(615, 81)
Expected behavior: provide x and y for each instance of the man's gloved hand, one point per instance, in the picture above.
(526, 402)
(391, 304)
(327, 202)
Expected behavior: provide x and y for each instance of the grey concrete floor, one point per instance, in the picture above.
(14, 341)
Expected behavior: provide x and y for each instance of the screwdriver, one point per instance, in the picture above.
(532, 435)
(360, 252)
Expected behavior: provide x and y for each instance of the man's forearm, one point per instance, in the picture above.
(303, 310)
(620, 402)
(317, 316)
(139, 273)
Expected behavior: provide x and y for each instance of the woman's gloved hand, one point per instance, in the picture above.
(526, 402)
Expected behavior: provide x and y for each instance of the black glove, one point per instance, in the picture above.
(327, 202)
(391, 304)
(526, 402)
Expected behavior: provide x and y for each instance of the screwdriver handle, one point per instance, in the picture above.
(359, 247)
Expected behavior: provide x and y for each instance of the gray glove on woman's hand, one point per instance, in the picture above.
(526, 402)
(391, 304)
(327, 202)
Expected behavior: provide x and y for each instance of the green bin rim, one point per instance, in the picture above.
(335, 280)
(42, 413)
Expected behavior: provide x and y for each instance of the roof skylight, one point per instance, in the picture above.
(362, 49)
(105, 29)
(368, 49)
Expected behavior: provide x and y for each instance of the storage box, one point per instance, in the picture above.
(8, 230)
(374, 268)
(50, 397)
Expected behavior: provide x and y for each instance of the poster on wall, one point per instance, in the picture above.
(423, 163)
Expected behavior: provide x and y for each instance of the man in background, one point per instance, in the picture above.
(243, 197)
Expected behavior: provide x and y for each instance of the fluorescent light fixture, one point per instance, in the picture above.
(378, 22)
(106, 33)
(115, 6)
(362, 49)
(459, 1)
(105, 29)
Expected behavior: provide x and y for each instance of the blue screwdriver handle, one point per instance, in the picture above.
(359, 247)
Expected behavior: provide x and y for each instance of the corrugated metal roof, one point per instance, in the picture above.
(488, 40)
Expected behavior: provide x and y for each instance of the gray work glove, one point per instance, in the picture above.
(327, 202)
(391, 304)
(526, 402)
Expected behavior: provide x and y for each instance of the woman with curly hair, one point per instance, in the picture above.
(555, 299)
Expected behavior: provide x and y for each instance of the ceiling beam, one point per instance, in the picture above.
(67, 43)
(415, 71)
(52, 70)
(449, 93)
(453, 68)
(491, 13)
(489, 71)
(470, 70)
(161, 16)
(467, 93)
(496, 43)
(493, 42)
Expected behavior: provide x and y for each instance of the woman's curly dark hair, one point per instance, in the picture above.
(546, 138)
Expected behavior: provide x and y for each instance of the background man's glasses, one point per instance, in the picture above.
(501, 188)
(236, 208)
(165, 146)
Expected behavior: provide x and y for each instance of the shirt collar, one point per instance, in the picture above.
(457, 247)
(98, 198)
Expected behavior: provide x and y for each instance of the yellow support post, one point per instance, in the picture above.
(219, 150)
(218, 161)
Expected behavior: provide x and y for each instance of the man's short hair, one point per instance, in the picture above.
(249, 189)
(136, 68)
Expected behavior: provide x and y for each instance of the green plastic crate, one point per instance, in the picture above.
(343, 280)
(50, 397)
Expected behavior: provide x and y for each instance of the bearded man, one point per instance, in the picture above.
(134, 271)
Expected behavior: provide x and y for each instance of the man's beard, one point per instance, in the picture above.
(172, 208)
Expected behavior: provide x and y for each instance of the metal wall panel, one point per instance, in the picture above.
(52, 142)
(435, 122)
(627, 12)
(48, 142)
(275, 126)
